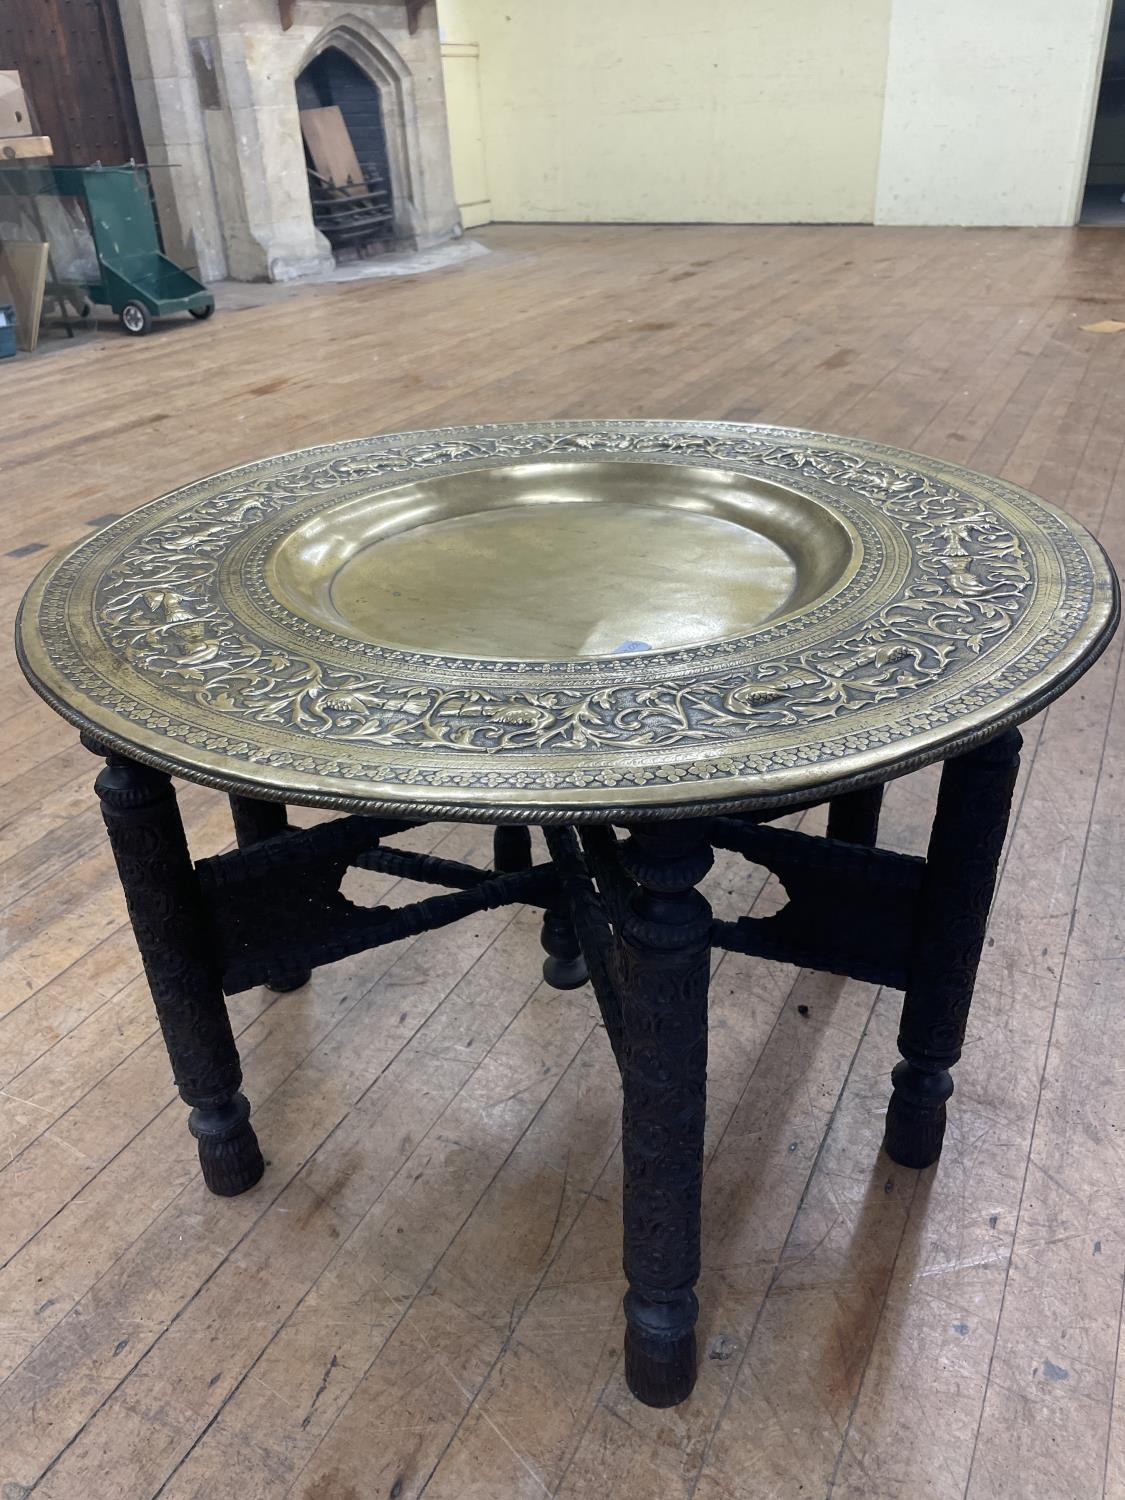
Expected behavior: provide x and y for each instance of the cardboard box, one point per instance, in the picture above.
(18, 147)
(15, 119)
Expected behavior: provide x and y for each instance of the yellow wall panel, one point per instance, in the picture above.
(723, 110)
(460, 66)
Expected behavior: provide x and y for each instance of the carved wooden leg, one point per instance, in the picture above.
(961, 862)
(854, 816)
(665, 959)
(511, 848)
(162, 895)
(255, 821)
(564, 967)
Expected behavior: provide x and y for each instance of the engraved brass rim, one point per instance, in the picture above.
(568, 620)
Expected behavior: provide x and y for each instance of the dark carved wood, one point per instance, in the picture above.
(602, 852)
(854, 816)
(279, 903)
(589, 921)
(665, 948)
(255, 821)
(426, 869)
(511, 848)
(952, 913)
(171, 928)
(564, 968)
(851, 910)
(628, 913)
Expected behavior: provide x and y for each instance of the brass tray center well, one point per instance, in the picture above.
(562, 560)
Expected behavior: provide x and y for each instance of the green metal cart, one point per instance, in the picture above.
(136, 280)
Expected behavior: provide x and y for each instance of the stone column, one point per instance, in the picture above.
(436, 216)
(256, 150)
(171, 116)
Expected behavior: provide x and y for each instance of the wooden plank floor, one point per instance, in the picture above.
(422, 1296)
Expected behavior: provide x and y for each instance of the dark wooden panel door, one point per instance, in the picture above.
(72, 62)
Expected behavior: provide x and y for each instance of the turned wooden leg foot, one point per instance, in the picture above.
(284, 980)
(564, 968)
(660, 1355)
(228, 1148)
(916, 1115)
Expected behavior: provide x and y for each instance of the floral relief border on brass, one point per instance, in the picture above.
(143, 624)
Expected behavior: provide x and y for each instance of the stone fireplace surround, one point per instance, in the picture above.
(214, 84)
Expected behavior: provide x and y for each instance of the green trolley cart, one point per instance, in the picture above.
(135, 278)
(122, 264)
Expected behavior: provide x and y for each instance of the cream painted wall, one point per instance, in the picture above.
(989, 107)
(897, 111)
(725, 110)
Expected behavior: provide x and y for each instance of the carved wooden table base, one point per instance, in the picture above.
(628, 914)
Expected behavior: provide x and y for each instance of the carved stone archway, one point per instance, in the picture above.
(223, 117)
(382, 63)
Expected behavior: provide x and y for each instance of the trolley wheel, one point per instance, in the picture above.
(136, 318)
(202, 312)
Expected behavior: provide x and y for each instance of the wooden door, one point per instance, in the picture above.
(73, 65)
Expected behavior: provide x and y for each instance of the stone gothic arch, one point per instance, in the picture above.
(370, 50)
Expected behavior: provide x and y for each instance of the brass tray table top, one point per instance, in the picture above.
(569, 620)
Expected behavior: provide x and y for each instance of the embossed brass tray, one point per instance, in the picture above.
(568, 619)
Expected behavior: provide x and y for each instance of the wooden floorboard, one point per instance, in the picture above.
(422, 1297)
